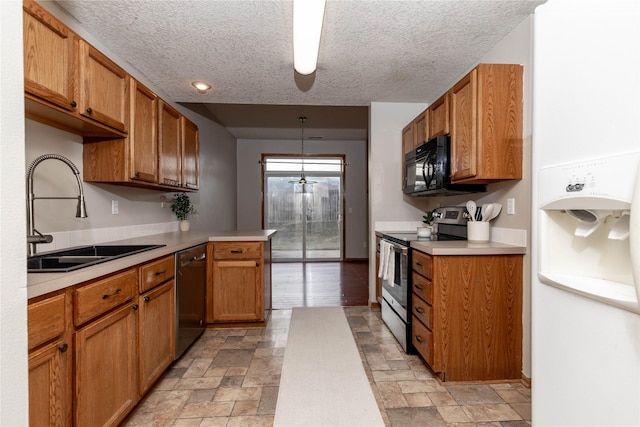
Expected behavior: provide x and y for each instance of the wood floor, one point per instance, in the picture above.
(319, 284)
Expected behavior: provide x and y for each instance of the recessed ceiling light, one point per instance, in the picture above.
(201, 87)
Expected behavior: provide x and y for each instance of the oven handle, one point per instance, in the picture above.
(397, 248)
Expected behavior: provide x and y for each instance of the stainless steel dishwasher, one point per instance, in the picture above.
(191, 277)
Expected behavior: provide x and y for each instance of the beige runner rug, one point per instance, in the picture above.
(323, 381)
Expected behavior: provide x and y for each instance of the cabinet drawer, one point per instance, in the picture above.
(96, 298)
(237, 250)
(422, 263)
(45, 320)
(422, 340)
(422, 311)
(156, 272)
(423, 288)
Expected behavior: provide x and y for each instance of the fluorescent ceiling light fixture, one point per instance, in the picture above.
(201, 87)
(307, 27)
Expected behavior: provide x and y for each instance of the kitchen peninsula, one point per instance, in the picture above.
(42, 283)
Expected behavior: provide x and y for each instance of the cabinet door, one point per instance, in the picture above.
(49, 56)
(156, 333)
(237, 291)
(477, 316)
(106, 387)
(104, 89)
(50, 385)
(169, 142)
(463, 127)
(408, 139)
(189, 154)
(143, 136)
(420, 129)
(438, 117)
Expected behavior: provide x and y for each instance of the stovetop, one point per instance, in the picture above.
(405, 239)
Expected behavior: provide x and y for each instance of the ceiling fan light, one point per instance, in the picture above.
(201, 87)
(307, 28)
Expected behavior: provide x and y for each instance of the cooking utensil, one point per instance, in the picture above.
(487, 210)
(495, 211)
(471, 208)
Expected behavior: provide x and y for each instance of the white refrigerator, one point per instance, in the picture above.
(586, 108)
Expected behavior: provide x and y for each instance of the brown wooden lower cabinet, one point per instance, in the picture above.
(50, 385)
(239, 282)
(156, 333)
(106, 386)
(237, 290)
(50, 354)
(96, 348)
(467, 315)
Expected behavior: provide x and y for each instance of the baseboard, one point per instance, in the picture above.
(374, 305)
(355, 259)
(526, 381)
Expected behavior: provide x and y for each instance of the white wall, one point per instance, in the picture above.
(355, 196)
(13, 275)
(586, 354)
(386, 200)
(387, 203)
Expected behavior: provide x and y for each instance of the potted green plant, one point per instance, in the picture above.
(183, 207)
(426, 230)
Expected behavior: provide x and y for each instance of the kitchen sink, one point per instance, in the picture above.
(66, 260)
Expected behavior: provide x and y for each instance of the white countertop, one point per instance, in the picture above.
(464, 247)
(43, 283)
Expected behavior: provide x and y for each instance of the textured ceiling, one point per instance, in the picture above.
(370, 50)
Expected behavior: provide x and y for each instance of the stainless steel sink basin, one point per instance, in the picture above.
(75, 258)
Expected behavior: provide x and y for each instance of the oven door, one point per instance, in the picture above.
(395, 289)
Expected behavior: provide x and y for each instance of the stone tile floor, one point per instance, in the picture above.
(230, 377)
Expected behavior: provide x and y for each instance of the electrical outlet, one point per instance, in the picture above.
(163, 201)
(364, 244)
(114, 207)
(511, 206)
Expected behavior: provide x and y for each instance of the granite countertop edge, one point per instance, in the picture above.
(39, 284)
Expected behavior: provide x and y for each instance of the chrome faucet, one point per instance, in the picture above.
(34, 236)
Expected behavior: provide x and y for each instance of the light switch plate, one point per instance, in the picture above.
(114, 207)
(511, 206)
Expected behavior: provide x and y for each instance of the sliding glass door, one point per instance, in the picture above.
(308, 217)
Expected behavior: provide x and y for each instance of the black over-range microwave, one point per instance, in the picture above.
(428, 171)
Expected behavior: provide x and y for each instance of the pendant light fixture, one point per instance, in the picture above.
(307, 28)
(303, 180)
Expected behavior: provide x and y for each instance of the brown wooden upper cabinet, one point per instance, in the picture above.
(438, 117)
(160, 153)
(408, 138)
(420, 129)
(49, 58)
(143, 144)
(190, 149)
(65, 79)
(104, 88)
(130, 135)
(169, 145)
(486, 125)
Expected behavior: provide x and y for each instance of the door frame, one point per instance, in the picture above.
(343, 183)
